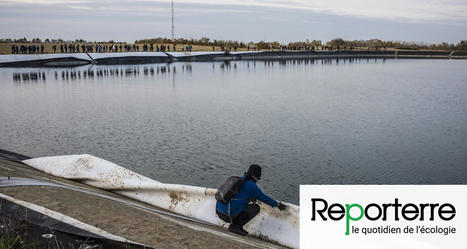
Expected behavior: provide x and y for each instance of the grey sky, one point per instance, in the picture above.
(245, 20)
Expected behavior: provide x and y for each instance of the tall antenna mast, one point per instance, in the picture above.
(173, 27)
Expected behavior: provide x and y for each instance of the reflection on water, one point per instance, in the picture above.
(347, 121)
(29, 77)
(135, 71)
(96, 72)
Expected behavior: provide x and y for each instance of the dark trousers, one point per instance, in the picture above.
(243, 217)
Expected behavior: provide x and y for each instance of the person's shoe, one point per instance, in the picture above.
(238, 230)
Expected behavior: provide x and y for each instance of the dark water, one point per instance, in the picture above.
(306, 122)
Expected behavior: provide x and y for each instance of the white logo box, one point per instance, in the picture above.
(450, 233)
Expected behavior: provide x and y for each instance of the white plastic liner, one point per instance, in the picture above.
(82, 56)
(125, 54)
(246, 52)
(182, 54)
(32, 57)
(196, 202)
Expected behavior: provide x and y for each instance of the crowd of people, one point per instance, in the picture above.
(97, 48)
(29, 49)
(107, 48)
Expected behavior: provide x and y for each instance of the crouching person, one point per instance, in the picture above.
(236, 197)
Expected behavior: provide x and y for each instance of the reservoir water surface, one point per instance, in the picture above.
(306, 122)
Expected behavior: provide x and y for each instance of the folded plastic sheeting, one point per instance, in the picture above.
(196, 202)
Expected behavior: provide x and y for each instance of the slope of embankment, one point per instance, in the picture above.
(119, 216)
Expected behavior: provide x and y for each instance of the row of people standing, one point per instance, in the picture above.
(100, 48)
(163, 48)
(106, 48)
(229, 48)
(91, 48)
(71, 48)
(27, 49)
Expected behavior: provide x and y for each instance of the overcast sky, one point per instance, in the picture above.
(429, 21)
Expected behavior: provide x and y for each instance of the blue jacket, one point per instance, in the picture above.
(249, 190)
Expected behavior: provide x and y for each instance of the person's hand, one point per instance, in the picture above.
(281, 206)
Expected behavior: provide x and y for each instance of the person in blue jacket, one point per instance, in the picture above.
(241, 210)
